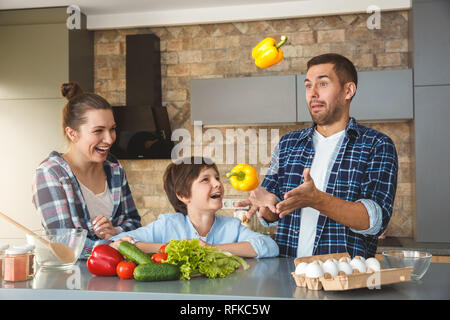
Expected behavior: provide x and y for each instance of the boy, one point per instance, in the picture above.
(196, 192)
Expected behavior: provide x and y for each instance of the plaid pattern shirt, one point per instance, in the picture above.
(365, 168)
(58, 199)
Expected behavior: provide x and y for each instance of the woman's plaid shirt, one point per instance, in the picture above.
(58, 199)
(365, 168)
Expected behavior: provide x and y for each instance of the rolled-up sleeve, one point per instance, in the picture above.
(375, 217)
(264, 245)
(380, 182)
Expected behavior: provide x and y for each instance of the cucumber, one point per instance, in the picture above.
(133, 253)
(156, 272)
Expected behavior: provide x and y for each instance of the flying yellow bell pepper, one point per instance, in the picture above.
(268, 52)
(243, 177)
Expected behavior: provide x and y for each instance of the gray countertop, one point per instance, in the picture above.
(265, 279)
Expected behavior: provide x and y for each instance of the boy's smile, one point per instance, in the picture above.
(206, 192)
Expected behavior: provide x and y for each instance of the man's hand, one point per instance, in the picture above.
(262, 200)
(305, 195)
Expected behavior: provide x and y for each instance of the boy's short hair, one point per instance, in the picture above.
(344, 68)
(180, 175)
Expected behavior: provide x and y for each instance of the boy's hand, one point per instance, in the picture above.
(116, 243)
(204, 243)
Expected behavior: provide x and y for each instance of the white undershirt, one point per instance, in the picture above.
(98, 204)
(325, 151)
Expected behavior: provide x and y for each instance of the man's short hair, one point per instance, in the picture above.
(180, 175)
(344, 68)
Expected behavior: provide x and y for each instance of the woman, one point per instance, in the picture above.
(85, 187)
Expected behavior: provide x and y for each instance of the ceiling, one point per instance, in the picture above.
(104, 14)
(90, 7)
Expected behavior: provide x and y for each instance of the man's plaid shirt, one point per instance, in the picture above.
(365, 168)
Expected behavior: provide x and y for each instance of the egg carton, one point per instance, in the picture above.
(370, 279)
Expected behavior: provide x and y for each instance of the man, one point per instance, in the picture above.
(330, 187)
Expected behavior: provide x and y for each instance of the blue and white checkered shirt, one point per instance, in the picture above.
(365, 169)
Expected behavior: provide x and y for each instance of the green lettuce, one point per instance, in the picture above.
(193, 258)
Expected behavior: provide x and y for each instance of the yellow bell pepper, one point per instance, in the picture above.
(243, 177)
(268, 52)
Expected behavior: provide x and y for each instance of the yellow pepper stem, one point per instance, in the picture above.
(239, 175)
(283, 41)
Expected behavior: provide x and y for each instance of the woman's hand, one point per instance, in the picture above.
(103, 228)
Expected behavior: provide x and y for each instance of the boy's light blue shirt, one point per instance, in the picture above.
(224, 230)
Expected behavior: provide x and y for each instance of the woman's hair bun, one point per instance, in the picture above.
(70, 90)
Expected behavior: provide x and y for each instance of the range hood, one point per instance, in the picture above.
(143, 127)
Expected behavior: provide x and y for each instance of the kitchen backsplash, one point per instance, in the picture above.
(224, 50)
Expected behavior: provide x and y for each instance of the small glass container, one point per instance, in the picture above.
(30, 252)
(3, 247)
(16, 264)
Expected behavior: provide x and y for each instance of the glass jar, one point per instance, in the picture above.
(16, 265)
(3, 247)
(30, 252)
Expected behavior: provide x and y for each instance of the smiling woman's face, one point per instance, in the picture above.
(95, 136)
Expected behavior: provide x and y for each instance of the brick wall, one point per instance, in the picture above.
(224, 50)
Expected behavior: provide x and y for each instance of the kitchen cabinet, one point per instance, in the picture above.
(431, 25)
(38, 53)
(246, 100)
(432, 131)
(431, 42)
(381, 95)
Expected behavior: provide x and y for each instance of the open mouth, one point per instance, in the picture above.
(316, 105)
(102, 150)
(216, 195)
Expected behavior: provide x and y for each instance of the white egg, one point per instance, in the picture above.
(345, 259)
(373, 263)
(301, 268)
(332, 261)
(361, 258)
(345, 267)
(330, 267)
(359, 265)
(314, 270)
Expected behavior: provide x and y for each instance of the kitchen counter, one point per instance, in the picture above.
(265, 279)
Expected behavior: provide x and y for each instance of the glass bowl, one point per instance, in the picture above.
(74, 238)
(419, 260)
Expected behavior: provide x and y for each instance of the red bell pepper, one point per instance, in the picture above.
(104, 260)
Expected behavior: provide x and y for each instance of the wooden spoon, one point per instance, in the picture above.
(60, 250)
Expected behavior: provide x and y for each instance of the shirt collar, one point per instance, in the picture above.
(352, 129)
